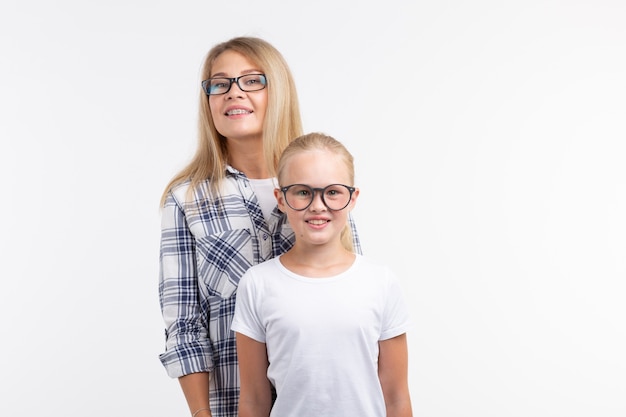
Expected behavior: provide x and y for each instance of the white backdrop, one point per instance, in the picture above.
(489, 141)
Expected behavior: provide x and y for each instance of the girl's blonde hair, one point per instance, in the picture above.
(320, 141)
(282, 117)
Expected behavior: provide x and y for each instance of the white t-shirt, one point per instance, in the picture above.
(322, 335)
(264, 190)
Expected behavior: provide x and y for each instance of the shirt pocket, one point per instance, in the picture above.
(222, 259)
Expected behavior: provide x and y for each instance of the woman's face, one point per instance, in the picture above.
(237, 114)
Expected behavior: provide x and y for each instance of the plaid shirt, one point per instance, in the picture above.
(206, 246)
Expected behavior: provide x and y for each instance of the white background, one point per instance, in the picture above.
(489, 140)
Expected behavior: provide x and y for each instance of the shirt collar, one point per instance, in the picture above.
(233, 171)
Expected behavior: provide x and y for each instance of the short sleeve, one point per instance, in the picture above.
(396, 318)
(247, 320)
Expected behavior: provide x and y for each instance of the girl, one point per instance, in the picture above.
(323, 325)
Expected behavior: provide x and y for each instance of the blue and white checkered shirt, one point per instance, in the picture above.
(207, 243)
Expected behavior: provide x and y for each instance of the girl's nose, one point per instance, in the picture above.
(318, 203)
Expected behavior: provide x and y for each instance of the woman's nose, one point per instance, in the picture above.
(235, 91)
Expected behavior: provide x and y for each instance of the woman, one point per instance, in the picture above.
(219, 216)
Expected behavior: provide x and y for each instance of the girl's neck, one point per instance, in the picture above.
(317, 262)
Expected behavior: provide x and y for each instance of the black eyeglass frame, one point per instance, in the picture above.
(205, 83)
(314, 190)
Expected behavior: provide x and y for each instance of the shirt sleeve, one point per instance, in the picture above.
(187, 348)
(247, 320)
(396, 319)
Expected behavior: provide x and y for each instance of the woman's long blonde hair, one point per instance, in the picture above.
(282, 118)
(320, 141)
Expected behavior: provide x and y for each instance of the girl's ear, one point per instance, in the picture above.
(280, 199)
(355, 196)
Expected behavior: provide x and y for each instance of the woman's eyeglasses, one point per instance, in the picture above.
(221, 85)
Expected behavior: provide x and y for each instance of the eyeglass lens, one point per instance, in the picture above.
(334, 196)
(248, 82)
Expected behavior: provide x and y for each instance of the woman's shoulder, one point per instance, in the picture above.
(182, 191)
(180, 188)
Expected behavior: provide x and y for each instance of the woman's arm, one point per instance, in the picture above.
(188, 353)
(393, 375)
(187, 348)
(196, 389)
(255, 399)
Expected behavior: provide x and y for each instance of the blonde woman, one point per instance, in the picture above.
(219, 216)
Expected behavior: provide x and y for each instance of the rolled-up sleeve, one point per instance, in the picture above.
(187, 347)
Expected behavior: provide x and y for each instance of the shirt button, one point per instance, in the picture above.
(265, 236)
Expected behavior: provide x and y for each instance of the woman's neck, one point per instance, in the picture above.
(247, 156)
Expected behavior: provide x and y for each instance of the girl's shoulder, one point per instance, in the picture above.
(368, 262)
(374, 268)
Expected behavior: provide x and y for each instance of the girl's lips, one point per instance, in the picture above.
(317, 222)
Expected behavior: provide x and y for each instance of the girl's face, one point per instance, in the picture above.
(316, 225)
(237, 114)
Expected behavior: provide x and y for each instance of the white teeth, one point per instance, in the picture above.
(237, 111)
(317, 221)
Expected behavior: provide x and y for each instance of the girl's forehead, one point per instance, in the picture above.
(311, 157)
(319, 166)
